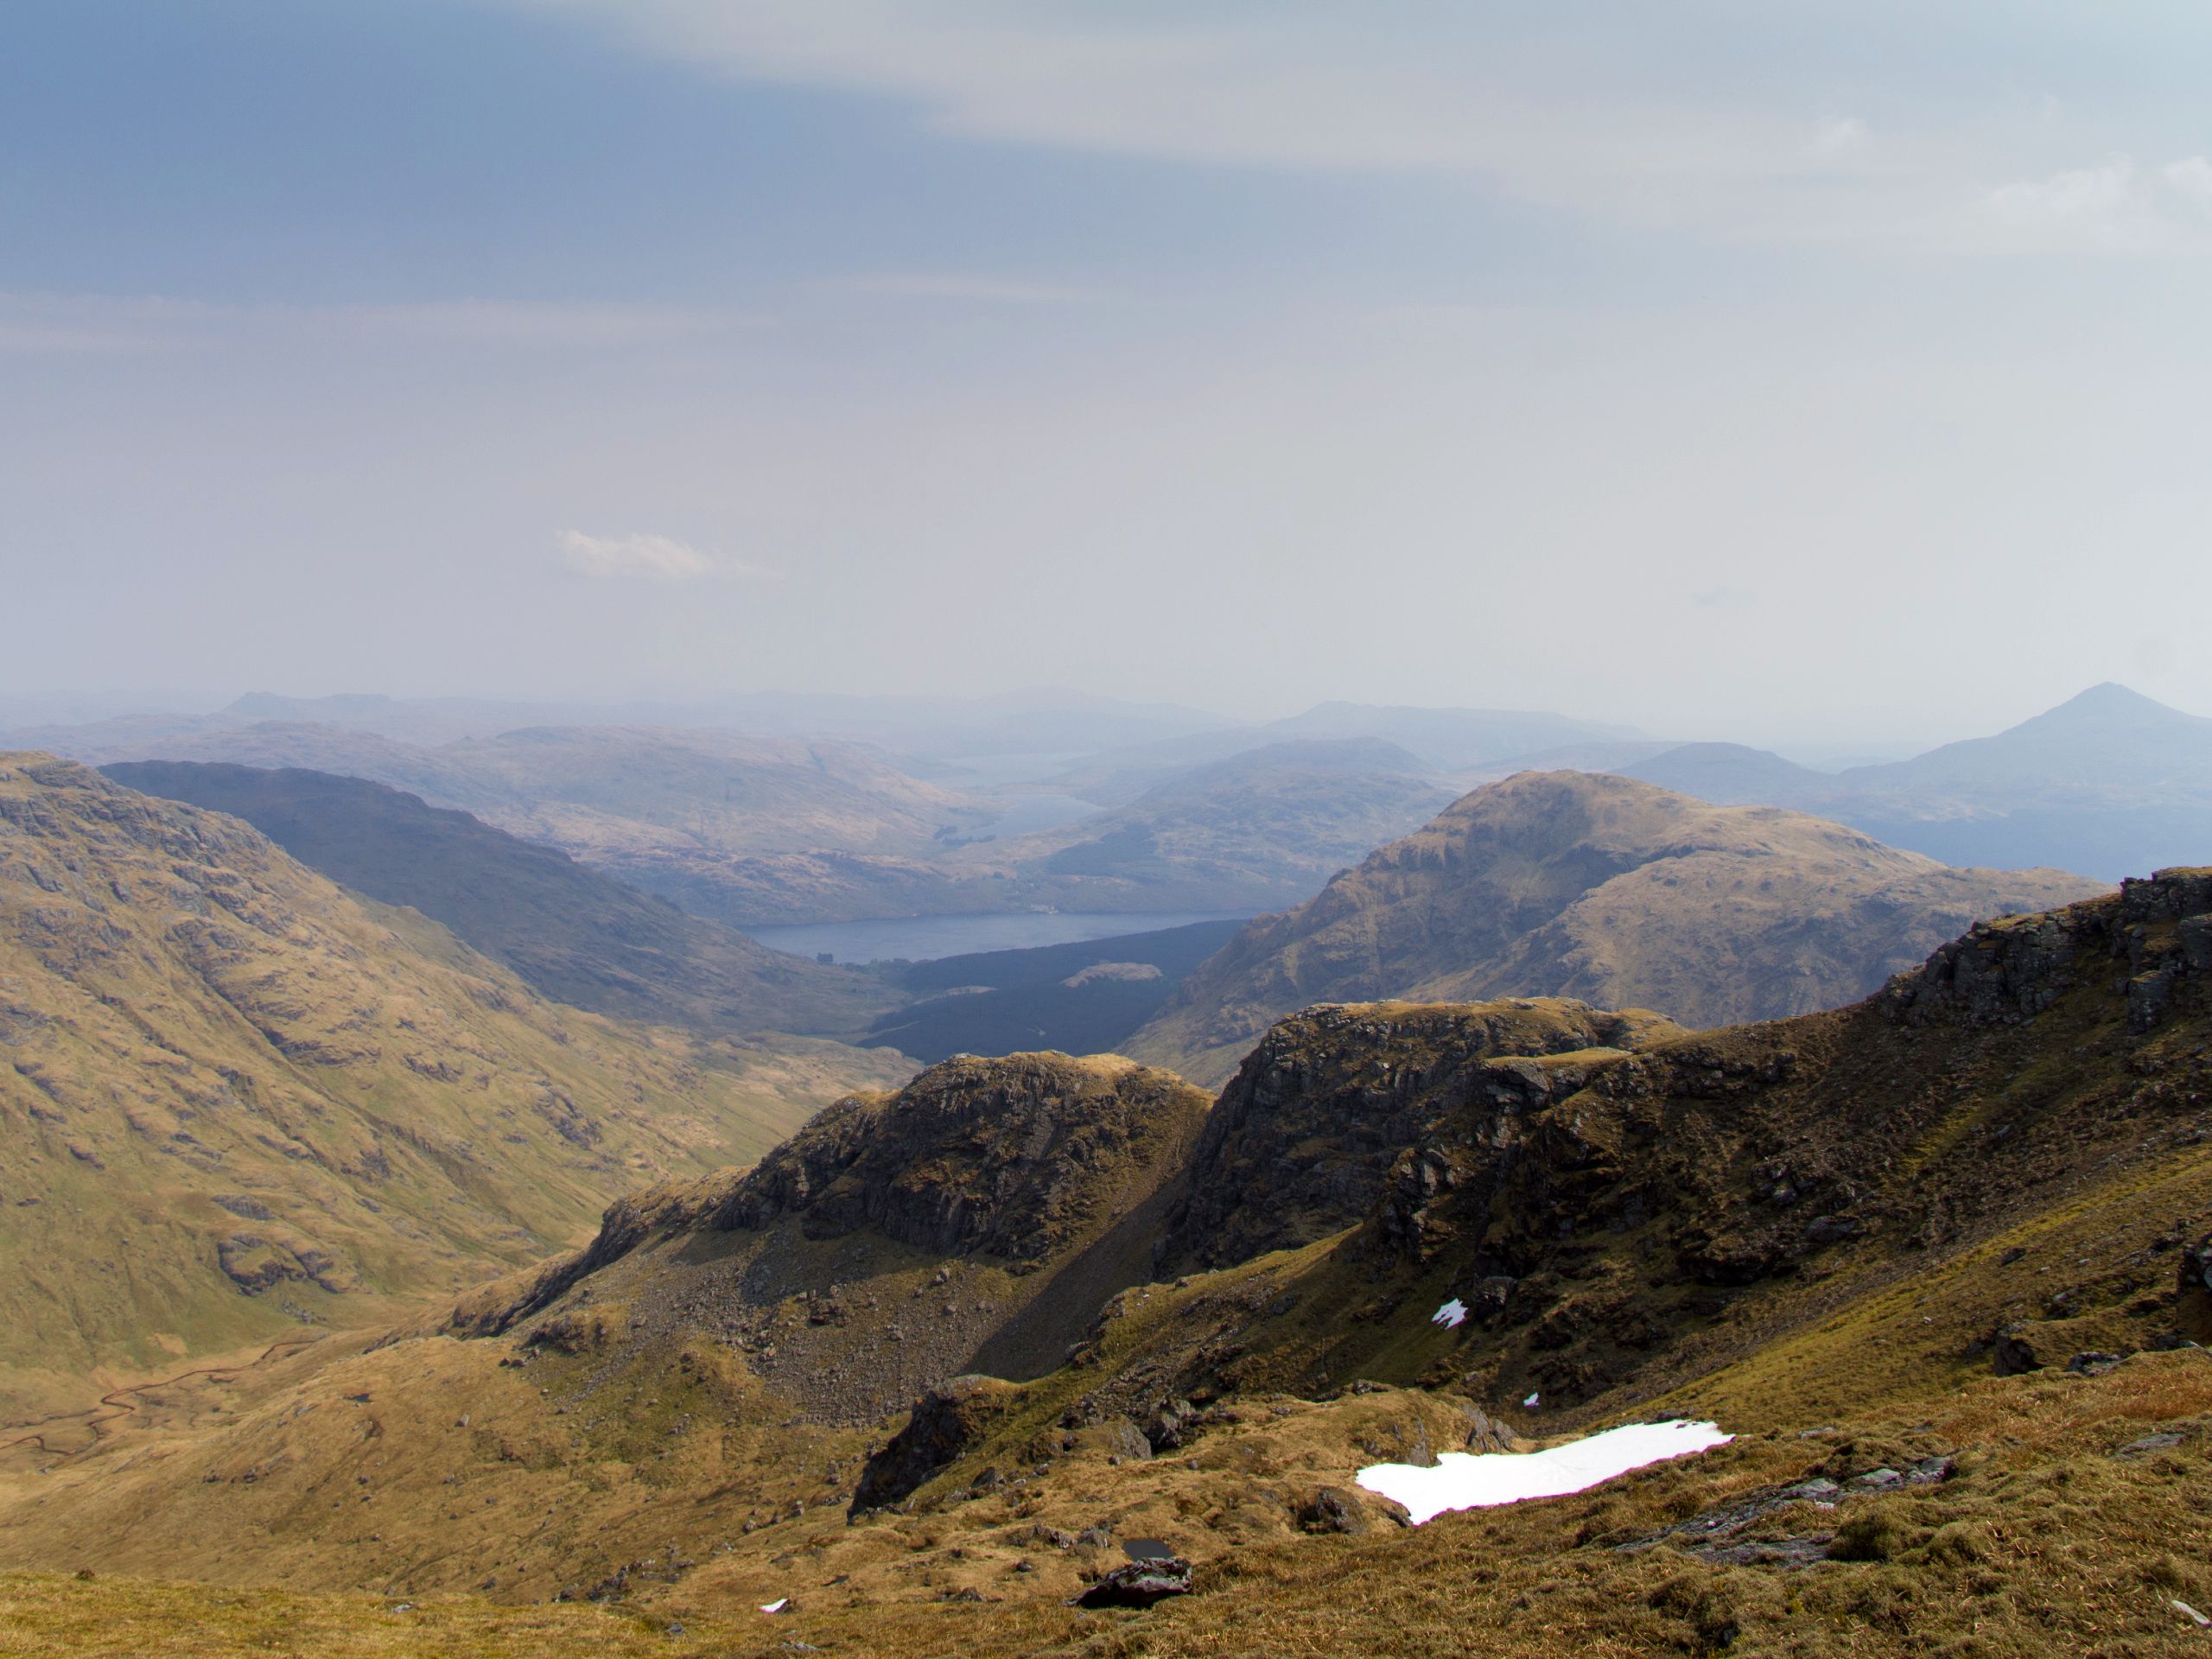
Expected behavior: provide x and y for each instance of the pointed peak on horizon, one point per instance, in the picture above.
(2109, 697)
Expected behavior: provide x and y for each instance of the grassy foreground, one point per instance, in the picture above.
(2077, 1520)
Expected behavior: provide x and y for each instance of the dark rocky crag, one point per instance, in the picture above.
(983, 1213)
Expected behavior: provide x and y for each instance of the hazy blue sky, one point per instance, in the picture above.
(1776, 373)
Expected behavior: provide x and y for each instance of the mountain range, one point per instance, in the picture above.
(880, 809)
(2107, 782)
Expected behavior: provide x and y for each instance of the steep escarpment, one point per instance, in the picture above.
(234, 1100)
(974, 1219)
(1616, 892)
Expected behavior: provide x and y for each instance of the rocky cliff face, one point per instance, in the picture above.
(1012, 1158)
(1617, 892)
(983, 1212)
(1342, 1108)
(2012, 970)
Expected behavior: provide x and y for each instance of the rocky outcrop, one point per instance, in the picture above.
(944, 1423)
(975, 1220)
(1009, 1158)
(1347, 1112)
(2011, 970)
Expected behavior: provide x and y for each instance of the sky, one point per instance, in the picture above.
(1825, 373)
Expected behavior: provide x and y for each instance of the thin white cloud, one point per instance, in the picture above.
(2114, 206)
(1598, 107)
(527, 322)
(639, 557)
(2191, 179)
(1841, 142)
(1551, 111)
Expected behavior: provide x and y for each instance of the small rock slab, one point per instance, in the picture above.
(1140, 1583)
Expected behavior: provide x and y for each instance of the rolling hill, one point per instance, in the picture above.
(1455, 741)
(238, 1101)
(571, 933)
(1621, 893)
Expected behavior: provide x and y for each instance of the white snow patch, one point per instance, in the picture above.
(777, 1605)
(1466, 1480)
(1451, 1315)
(1533, 1401)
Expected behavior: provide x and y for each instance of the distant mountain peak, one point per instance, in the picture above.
(2110, 696)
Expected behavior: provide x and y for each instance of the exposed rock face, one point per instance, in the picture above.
(1596, 1196)
(976, 1219)
(1009, 1158)
(1345, 1112)
(2011, 970)
(1618, 892)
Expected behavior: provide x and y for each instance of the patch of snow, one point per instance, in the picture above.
(1464, 1480)
(1530, 1402)
(1450, 1315)
(777, 1605)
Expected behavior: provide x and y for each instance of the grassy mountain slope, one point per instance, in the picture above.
(742, 830)
(1837, 1232)
(236, 1098)
(573, 934)
(1619, 893)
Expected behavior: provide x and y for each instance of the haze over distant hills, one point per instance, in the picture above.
(1443, 741)
(1263, 827)
(2109, 783)
(1607, 889)
(894, 808)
